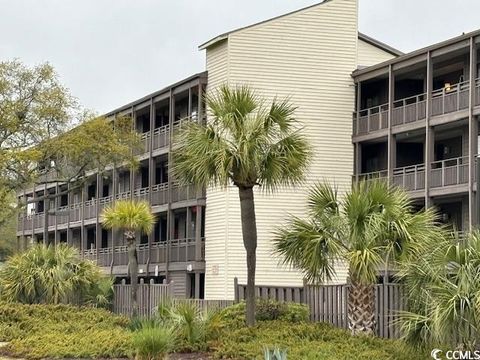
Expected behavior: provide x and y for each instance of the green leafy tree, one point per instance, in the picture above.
(130, 216)
(247, 144)
(371, 226)
(43, 132)
(442, 280)
(48, 275)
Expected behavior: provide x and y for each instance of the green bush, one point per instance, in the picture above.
(54, 331)
(153, 342)
(53, 275)
(307, 341)
(266, 310)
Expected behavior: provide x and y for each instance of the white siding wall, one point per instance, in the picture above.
(370, 55)
(308, 56)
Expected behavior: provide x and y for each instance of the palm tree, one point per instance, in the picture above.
(52, 275)
(442, 280)
(368, 227)
(131, 216)
(247, 144)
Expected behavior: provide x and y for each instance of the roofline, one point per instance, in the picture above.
(224, 36)
(415, 53)
(199, 75)
(380, 44)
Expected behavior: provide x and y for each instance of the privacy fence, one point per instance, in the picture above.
(327, 303)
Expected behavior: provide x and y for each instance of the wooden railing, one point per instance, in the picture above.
(410, 177)
(409, 109)
(161, 137)
(449, 172)
(374, 175)
(371, 119)
(160, 194)
(144, 145)
(450, 99)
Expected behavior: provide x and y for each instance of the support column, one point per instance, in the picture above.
(197, 285)
(391, 144)
(429, 132)
(198, 234)
(151, 178)
(472, 138)
(98, 228)
(170, 217)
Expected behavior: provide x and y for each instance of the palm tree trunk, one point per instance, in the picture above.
(361, 308)
(132, 269)
(249, 232)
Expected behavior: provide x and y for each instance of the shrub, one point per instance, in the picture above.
(266, 310)
(307, 341)
(153, 342)
(40, 331)
(193, 327)
(53, 275)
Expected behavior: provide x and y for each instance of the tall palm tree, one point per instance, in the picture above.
(245, 143)
(370, 226)
(442, 280)
(130, 216)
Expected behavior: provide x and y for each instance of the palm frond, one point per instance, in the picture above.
(129, 215)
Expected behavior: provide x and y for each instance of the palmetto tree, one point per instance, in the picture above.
(442, 279)
(53, 275)
(245, 143)
(130, 216)
(366, 229)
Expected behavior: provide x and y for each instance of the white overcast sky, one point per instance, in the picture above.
(110, 52)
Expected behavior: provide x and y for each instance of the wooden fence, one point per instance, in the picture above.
(148, 298)
(328, 303)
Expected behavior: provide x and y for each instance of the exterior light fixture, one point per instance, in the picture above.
(447, 86)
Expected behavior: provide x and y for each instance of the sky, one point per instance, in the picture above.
(111, 52)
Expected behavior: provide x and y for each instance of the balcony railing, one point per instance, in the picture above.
(160, 194)
(374, 175)
(144, 144)
(371, 119)
(161, 137)
(449, 172)
(450, 99)
(180, 250)
(410, 177)
(409, 110)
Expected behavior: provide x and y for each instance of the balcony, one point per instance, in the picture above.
(144, 144)
(449, 172)
(161, 137)
(411, 178)
(443, 173)
(73, 213)
(447, 100)
(179, 250)
(371, 120)
(409, 110)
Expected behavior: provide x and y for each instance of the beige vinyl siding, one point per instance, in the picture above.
(307, 56)
(369, 54)
(216, 211)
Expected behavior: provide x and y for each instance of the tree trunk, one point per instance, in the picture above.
(132, 269)
(361, 308)
(249, 232)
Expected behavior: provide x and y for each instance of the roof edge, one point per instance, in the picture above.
(224, 36)
(423, 50)
(379, 44)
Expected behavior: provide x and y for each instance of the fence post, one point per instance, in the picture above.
(235, 289)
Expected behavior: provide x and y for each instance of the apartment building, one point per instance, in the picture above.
(416, 123)
(307, 55)
(175, 248)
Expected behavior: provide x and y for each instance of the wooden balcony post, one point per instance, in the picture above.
(198, 233)
(473, 198)
(429, 135)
